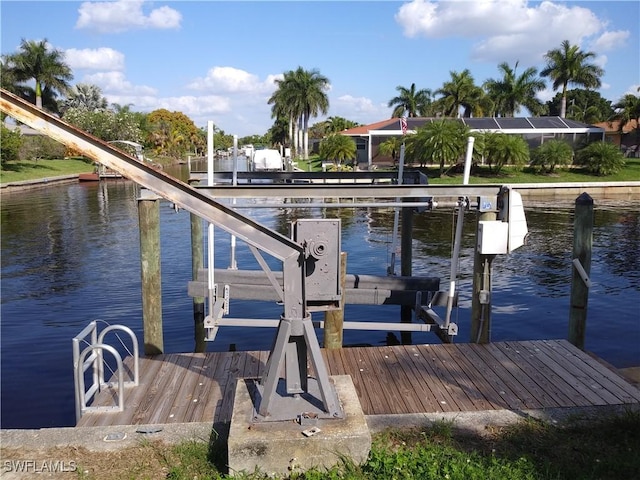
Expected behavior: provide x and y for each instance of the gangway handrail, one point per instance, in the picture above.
(92, 357)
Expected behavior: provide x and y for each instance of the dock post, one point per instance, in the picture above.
(406, 268)
(197, 262)
(149, 224)
(582, 245)
(481, 299)
(334, 319)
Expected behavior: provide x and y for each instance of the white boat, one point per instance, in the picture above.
(267, 160)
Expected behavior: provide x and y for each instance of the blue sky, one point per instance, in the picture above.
(217, 60)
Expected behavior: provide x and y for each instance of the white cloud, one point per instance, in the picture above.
(504, 30)
(95, 59)
(232, 80)
(358, 109)
(611, 40)
(115, 83)
(123, 15)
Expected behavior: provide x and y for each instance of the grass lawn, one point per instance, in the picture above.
(630, 172)
(37, 169)
(586, 448)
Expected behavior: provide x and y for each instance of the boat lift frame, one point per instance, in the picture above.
(295, 329)
(295, 321)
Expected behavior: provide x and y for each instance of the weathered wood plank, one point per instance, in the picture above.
(614, 383)
(520, 384)
(539, 383)
(536, 374)
(423, 359)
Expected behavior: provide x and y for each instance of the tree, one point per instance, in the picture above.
(410, 102)
(461, 93)
(301, 94)
(391, 147)
(173, 134)
(551, 154)
(503, 149)
(627, 110)
(85, 96)
(441, 142)
(512, 91)
(570, 65)
(338, 148)
(107, 125)
(601, 158)
(36, 61)
(586, 106)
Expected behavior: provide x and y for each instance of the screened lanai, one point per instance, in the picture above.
(535, 130)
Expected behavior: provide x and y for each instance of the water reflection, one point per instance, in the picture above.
(70, 254)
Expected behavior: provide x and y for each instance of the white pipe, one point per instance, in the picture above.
(458, 236)
(396, 217)
(233, 265)
(210, 230)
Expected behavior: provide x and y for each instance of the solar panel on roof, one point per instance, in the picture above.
(481, 123)
(512, 122)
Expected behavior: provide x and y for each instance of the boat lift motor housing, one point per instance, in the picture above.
(321, 239)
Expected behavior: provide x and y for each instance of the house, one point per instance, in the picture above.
(535, 130)
(626, 138)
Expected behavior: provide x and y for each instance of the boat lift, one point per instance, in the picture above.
(309, 258)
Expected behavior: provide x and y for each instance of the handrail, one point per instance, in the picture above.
(92, 357)
(96, 387)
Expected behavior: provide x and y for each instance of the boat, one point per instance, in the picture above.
(267, 160)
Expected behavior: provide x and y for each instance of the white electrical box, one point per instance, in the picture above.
(492, 237)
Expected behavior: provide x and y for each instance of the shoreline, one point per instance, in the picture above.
(536, 192)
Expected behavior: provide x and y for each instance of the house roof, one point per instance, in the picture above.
(494, 124)
(614, 126)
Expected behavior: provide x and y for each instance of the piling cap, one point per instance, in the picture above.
(584, 199)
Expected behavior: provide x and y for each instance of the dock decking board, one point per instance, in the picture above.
(190, 387)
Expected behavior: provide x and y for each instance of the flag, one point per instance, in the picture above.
(403, 125)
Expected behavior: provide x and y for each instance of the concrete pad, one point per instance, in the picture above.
(280, 448)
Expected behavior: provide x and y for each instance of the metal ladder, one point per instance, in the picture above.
(92, 357)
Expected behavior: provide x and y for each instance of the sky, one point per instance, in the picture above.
(218, 60)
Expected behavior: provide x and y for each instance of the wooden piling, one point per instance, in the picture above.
(582, 245)
(406, 266)
(149, 224)
(197, 262)
(481, 298)
(334, 319)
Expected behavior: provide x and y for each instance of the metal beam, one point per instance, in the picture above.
(336, 190)
(149, 177)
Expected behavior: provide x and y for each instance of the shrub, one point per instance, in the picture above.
(10, 144)
(503, 149)
(600, 158)
(39, 147)
(551, 154)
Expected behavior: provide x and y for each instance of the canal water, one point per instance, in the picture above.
(70, 255)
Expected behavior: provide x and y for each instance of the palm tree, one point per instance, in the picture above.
(300, 96)
(442, 142)
(410, 102)
(626, 111)
(461, 93)
(512, 91)
(283, 108)
(85, 96)
(338, 148)
(570, 65)
(36, 61)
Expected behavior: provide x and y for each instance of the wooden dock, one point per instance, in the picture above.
(540, 374)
